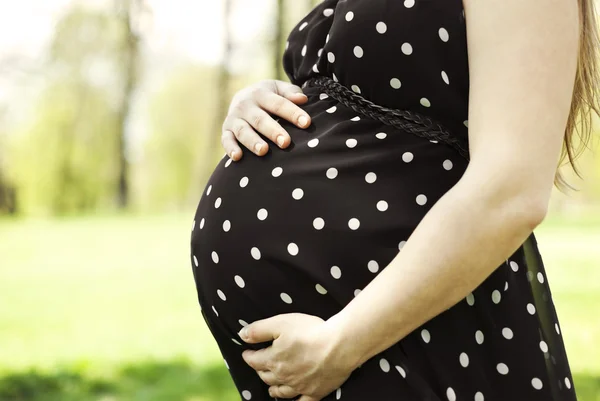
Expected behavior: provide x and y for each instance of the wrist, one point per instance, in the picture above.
(344, 348)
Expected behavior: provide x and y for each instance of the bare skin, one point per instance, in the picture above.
(248, 114)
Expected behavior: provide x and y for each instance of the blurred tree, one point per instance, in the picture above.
(280, 36)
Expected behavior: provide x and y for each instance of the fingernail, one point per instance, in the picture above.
(303, 120)
(258, 147)
(280, 140)
(243, 333)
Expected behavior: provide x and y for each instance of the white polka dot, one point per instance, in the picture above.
(507, 333)
(406, 48)
(543, 346)
(401, 245)
(514, 266)
(401, 371)
(242, 322)
(304, 24)
(540, 278)
(228, 162)
(505, 285)
(556, 328)
(567, 382)
(226, 364)
(262, 214)
(221, 295)
(313, 143)
(407, 157)
(384, 365)
(444, 34)
(464, 360)
(331, 173)
(451, 394)
(297, 193)
(479, 337)
(530, 309)
(320, 52)
(331, 57)
(381, 27)
(303, 52)
(331, 109)
(466, 123)
(255, 252)
(318, 223)
(536, 383)
(371, 178)
(226, 225)
(470, 299)
(425, 335)
(409, 3)
(336, 272)
(217, 203)
(447, 165)
(202, 223)
(356, 292)
(358, 51)
(351, 143)
(357, 118)
(315, 68)
(287, 44)
(323, 96)
(208, 190)
(292, 249)
(195, 261)
(277, 171)
(425, 102)
(328, 12)
(286, 298)
(421, 199)
(395, 83)
(382, 206)
(214, 310)
(215, 257)
(502, 368)
(320, 289)
(496, 296)
(356, 89)
(335, 78)
(479, 396)
(239, 281)
(373, 266)
(349, 16)
(353, 223)
(380, 135)
(327, 38)
(338, 393)
(236, 341)
(445, 77)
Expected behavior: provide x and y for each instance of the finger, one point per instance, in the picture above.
(246, 135)
(282, 392)
(266, 125)
(260, 359)
(284, 108)
(269, 377)
(308, 398)
(230, 145)
(262, 330)
(290, 91)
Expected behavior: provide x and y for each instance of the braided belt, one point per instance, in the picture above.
(415, 123)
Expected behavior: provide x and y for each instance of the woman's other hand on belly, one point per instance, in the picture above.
(248, 116)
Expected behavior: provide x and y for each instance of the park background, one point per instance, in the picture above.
(110, 117)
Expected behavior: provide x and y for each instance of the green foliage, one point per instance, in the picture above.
(64, 160)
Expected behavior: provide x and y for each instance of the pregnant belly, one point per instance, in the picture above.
(305, 229)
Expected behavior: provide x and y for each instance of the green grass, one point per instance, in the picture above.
(104, 309)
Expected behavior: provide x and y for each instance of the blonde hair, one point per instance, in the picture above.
(586, 93)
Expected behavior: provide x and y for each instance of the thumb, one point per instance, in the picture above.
(262, 330)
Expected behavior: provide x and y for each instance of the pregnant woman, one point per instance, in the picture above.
(384, 250)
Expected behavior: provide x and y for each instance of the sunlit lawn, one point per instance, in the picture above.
(105, 309)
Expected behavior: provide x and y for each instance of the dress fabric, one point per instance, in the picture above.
(306, 228)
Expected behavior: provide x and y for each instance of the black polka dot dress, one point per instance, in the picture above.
(307, 228)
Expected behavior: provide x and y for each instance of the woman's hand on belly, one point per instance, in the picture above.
(302, 359)
(248, 116)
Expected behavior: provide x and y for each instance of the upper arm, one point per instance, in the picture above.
(522, 64)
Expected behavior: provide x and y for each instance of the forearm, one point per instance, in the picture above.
(468, 233)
